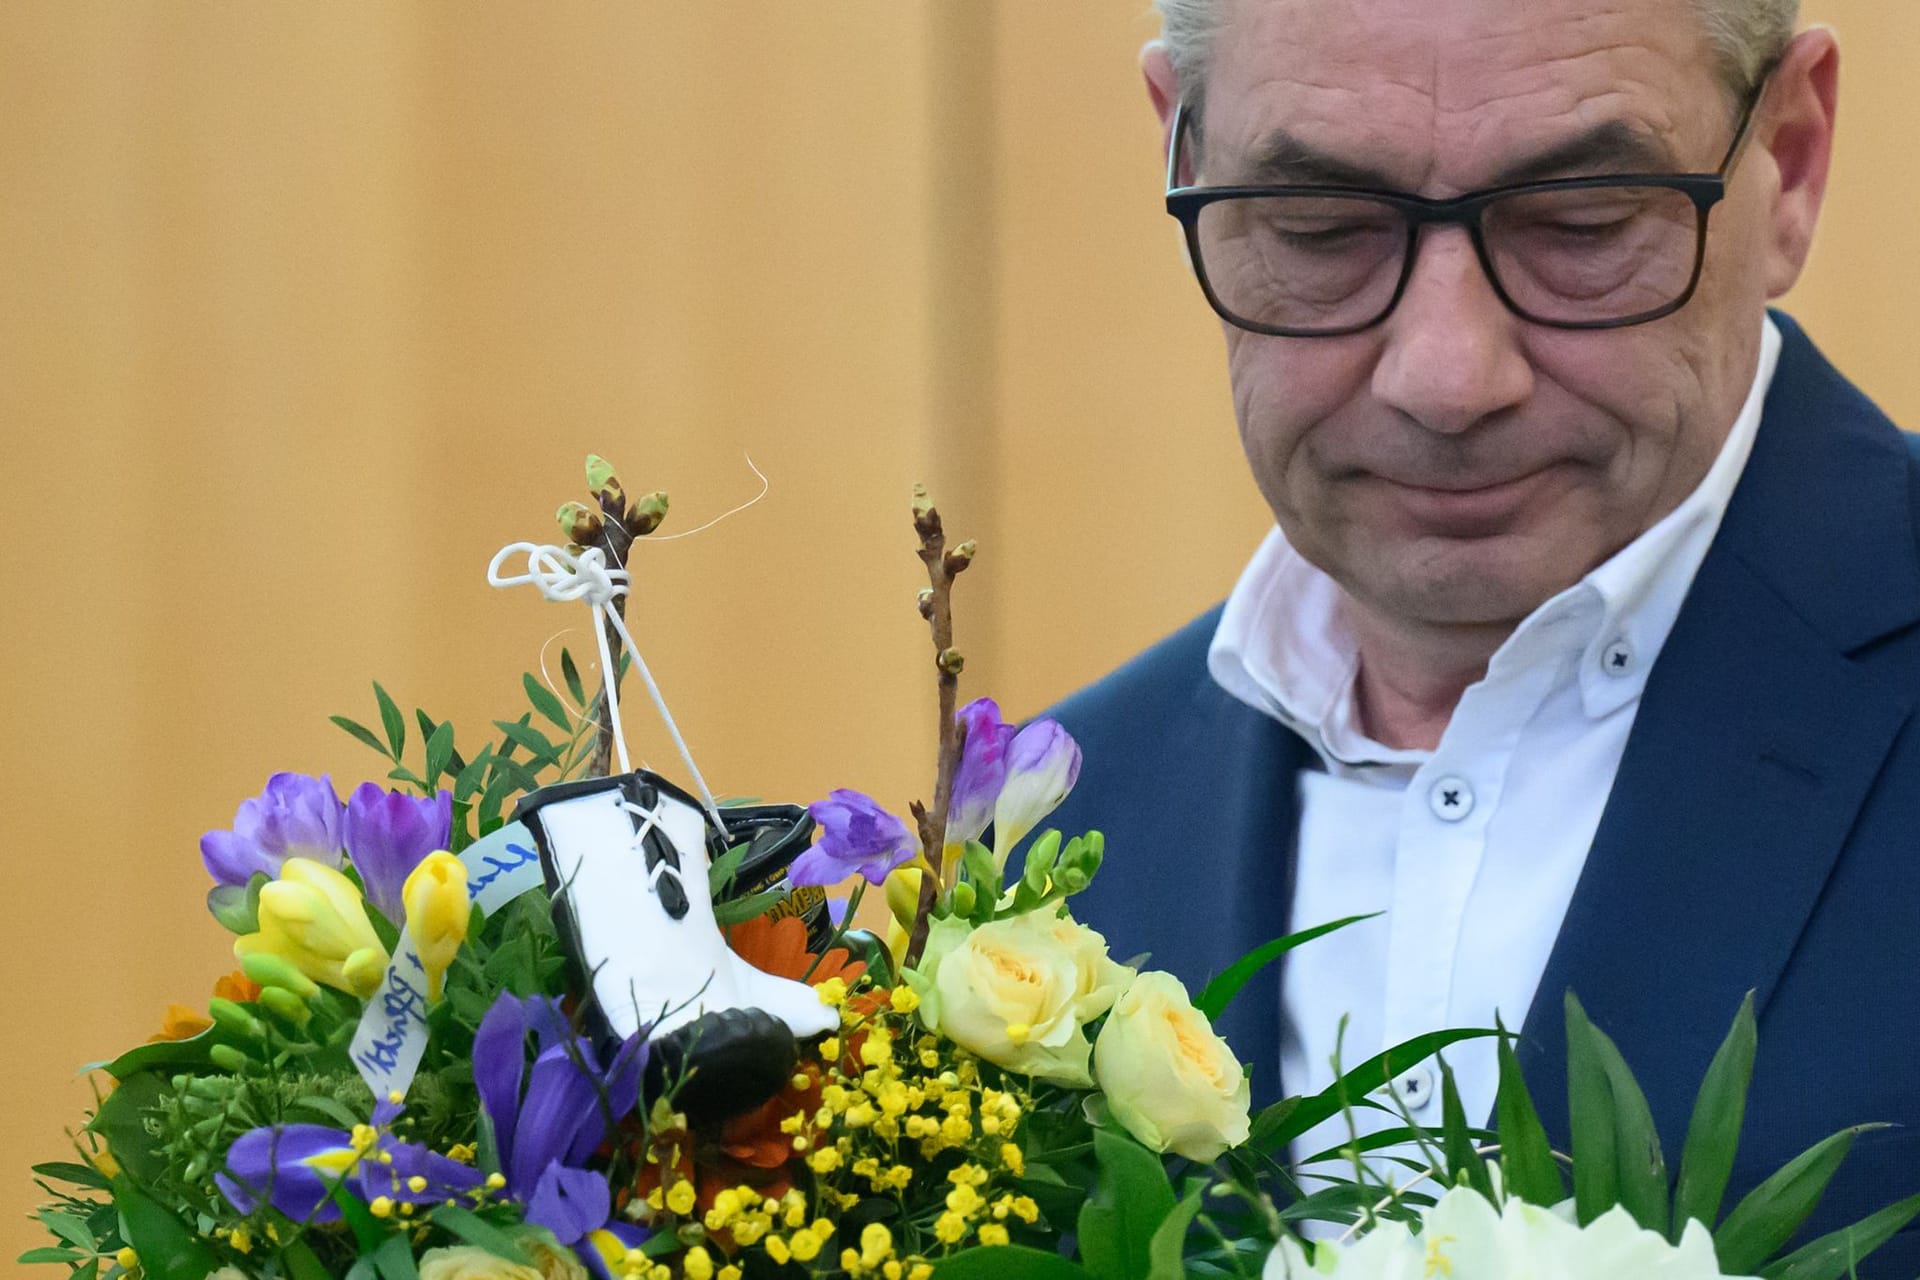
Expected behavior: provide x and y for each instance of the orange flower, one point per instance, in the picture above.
(779, 947)
(755, 1138)
(180, 1023)
(237, 987)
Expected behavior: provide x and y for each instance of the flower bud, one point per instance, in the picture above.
(286, 1004)
(235, 1019)
(647, 514)
(437, 914)
(604, 484)
(580, 524)
(313, 918)
(270, 971)
(1042, 765)
(228, 1058)
(1041, 860)
(964, 899)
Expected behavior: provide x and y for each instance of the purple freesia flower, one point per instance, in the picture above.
(605, 1248)
(1042, 765)
(548, 1120)
(857, 837)
(387, 834)
(294, 1167)
(982, 770)
(297, 816)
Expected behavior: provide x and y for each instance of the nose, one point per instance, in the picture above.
(1452, 355)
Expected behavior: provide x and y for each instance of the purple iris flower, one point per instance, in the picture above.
(549, 1119)
(982, 770)
(294, 1167)
(387, 834)
(857, 837)
(295, 817)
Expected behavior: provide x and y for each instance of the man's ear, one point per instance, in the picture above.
(1163, 88)
(1797, 132)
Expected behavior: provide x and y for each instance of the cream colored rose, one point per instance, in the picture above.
(554, 1261)
(465, 1262)
(1168, 1078)
(1019, 992)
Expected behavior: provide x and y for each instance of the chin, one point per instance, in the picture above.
(1484, 582)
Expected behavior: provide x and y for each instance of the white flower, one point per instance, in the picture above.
(1464, 1237)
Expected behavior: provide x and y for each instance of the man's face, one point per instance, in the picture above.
(1457, 465)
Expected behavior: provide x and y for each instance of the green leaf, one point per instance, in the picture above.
(1641, 1166)
(1525, 1153)
(302, 1262)
(571, 675)
(1007, 1262)
(473, 775)
(71, 1228)
(361, 732)
(122, 1121)
(49, 1254)
(1130, 1199)
(394, 723)
(1590, 1112)
(477, 1231)
(1713, 1134)
(1286, 1120)
(395, 1259)
(168, 1248)
(529, 739)
(1835, 1254)
(1457, 1137)
(1774, 1210)
(79, 1175)
(439, 751)
(739, 910)
(330, 1109)
(1167, 1250)
(237, 907)
(1219, 993)
(545, 703)
(367, 1234)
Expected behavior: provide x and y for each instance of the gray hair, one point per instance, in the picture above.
(1746, 37)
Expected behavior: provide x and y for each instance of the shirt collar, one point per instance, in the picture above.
(1282, 647)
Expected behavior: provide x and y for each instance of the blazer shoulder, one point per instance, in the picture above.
(1148, 684)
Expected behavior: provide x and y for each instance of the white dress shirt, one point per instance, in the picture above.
(1469, 852)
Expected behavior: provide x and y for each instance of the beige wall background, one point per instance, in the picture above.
(307, 309)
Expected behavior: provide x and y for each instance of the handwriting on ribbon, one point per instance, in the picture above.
(392, 1035)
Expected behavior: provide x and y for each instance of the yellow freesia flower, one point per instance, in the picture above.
(435, 895)
(313, 917)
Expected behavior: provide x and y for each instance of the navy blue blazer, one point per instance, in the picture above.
(1763, 832)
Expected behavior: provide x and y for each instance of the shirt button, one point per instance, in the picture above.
(1416, 1088)
(1451, 799)
(1618, 659)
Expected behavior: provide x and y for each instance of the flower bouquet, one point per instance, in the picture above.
(535, 1013)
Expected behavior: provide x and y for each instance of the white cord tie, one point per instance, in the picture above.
(564, 577)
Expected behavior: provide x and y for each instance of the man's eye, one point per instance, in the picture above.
(1326, 236)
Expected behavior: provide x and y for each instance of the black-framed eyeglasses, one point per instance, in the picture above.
(1600, 252)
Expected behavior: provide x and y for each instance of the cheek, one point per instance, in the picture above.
(1283, 388)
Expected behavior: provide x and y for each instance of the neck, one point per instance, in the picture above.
(1411, 675)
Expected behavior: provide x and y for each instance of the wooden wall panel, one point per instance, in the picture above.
(309, 308)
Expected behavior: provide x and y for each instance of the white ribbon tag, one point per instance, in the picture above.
(392, 1035)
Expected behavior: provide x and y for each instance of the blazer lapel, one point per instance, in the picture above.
(1756, 742)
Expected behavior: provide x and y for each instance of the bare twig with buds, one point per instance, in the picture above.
(612, 529)
(943, 564)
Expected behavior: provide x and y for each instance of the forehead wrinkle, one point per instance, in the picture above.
(1444, 104)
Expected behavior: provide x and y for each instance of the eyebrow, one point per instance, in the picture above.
(1283, 158)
